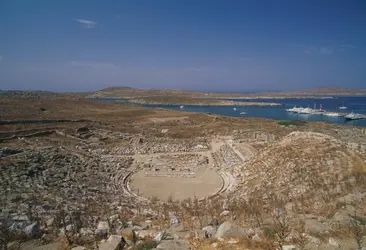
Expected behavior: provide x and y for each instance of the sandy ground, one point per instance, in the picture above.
(206, 182)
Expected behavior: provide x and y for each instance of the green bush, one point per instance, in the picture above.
(361, 220)
(291, 123)
(146, 245)
(269, 232)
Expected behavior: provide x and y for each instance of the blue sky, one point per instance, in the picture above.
(233, 45)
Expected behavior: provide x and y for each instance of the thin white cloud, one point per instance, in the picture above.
(347, 46)
(309, 50)
(87, 24)
(197, 69)
(323, 50)
(95, 65)
(326, 51)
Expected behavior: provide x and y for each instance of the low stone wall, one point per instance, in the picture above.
(171, 175)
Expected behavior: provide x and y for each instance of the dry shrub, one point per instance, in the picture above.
(243, 243)
(301, 239)
(356, 229)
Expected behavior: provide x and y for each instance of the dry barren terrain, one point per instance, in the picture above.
(76, 172)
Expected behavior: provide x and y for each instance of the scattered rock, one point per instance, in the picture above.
(85, 231)
(229, 229)
(225, 205)
(173, 219)
(214, 245)
(232, 241)
(342, 218)
(145, 234)
(174, 245)
(69, 228)
(256, 238)
(333, 242)
(102, 229)
(288, 247)
(225, 213)
(209, 231)
(160, 236)
(114, 242)
(313, 226)
(314, 240)
(20, 218)
(17, 226)
(33, 230)
(46, 238)
(213, 222)
(50, 222)
(79, 248)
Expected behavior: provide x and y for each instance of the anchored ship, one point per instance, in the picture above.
(333, 114)
(353, 116)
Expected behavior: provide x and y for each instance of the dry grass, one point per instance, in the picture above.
(118, 117)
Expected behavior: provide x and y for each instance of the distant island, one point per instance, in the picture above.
(327, 91)
(188, 101)
(142, 95)
(133, 93)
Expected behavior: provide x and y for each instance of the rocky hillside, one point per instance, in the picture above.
(304, 164)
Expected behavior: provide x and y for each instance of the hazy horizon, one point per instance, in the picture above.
(225, 46)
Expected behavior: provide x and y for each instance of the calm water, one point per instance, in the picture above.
(355, 104)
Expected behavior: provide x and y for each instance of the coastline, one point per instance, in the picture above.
(215, 103)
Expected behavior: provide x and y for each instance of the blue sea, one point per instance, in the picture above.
(356, 104)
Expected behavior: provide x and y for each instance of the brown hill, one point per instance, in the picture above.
(331, 91)
(127, 92)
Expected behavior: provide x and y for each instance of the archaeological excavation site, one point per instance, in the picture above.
(80, 174)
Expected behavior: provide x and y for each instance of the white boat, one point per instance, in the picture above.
(343, 107)
(332, 114)
(318, 112)
(181, 107)
(243, 113)
(353, 116)
(306, 111)
(294, 110)
(234, 109)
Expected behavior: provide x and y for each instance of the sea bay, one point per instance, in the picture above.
(356, 104)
